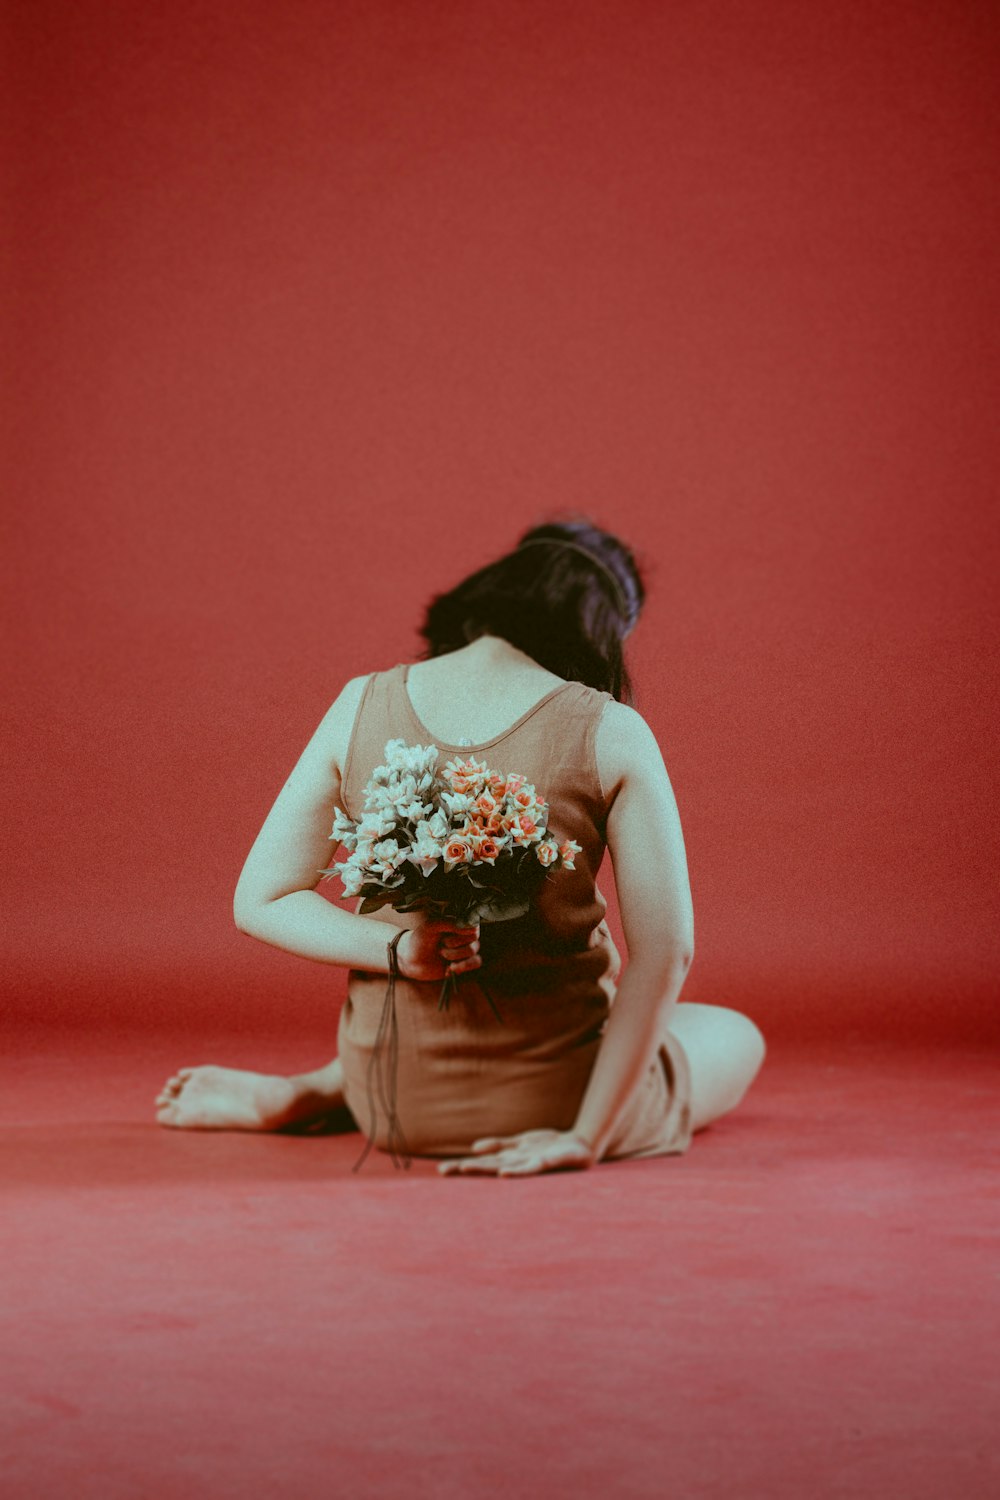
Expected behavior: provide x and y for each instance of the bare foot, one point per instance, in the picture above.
(213, 1098)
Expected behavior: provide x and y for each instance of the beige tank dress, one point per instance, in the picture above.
(460, 1074)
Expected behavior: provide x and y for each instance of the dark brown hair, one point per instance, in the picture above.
(569, 606)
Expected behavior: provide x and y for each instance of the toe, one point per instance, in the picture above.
(171, 1094)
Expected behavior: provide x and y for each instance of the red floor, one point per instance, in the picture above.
(803, 1306)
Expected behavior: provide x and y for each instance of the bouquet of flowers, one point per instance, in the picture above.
(468, 844)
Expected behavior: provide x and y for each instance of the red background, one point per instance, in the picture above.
(315, 306)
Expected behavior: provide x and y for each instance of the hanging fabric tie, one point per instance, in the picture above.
(386, 1042)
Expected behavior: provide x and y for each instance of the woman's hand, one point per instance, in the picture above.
(525, 1154)
(436, 948)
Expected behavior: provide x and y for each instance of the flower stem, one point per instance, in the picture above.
(450, 987)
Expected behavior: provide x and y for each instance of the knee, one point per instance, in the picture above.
(738, 1034)
(743, 1047)
(725, 1050)
(753, 1049)
(756, 1037)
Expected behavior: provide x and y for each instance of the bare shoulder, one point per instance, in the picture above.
(625, 746)
(338, 722)
(351, 693)
(326, 753)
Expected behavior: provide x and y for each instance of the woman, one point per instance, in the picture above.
(524, 669)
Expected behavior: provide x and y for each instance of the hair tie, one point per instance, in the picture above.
(556, 541)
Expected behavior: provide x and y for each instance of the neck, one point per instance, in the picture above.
(494, 648)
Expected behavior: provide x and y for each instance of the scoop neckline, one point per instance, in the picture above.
(432, 739)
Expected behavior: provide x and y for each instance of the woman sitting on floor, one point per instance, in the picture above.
(524, 670)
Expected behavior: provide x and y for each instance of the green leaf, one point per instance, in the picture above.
(372, 903)
(504, 910)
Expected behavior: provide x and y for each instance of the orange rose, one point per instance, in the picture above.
(569, 850)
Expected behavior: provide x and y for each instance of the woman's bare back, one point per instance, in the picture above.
(472, 695)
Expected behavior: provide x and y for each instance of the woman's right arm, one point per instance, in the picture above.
(654, 899)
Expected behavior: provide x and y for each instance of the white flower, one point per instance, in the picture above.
(457, 803)
(416, 810)
(344, 830)
(403, 788)
(352, 877)
(424, 760)
(363, 856)
(425, 851)
(387, 855)
(438, 827)
(375, 825)
(414, 758)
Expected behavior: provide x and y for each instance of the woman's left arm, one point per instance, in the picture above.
(276, 898)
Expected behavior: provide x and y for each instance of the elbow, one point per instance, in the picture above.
(675, 943)
(682, 945)
(680, 961)
(672, 947)
(677, 960)
(249, 904)
(252, 915)
(666, 968)
(243, 916)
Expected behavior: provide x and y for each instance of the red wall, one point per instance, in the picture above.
(315, 305)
